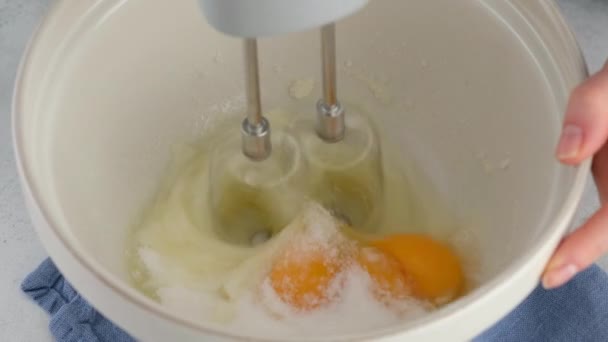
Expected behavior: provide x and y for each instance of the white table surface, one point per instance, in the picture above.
(20, 251)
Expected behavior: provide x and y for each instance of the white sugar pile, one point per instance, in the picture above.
(259, 310)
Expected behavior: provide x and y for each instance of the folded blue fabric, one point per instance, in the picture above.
(575, 312)
(72, 318)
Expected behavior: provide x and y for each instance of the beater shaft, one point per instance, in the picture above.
(252, 80)
(255, 129)
(328, 58)
(330, 114)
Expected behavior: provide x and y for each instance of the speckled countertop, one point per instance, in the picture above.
(20, 251)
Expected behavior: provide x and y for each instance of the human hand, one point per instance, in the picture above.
(584, 135)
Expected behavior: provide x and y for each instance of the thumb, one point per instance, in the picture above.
(578, 251)
(586, 122)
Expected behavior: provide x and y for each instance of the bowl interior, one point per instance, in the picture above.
(453, 87)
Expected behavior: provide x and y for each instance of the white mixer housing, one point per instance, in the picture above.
(259, 18)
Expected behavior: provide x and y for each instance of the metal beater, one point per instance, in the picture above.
(252, 19)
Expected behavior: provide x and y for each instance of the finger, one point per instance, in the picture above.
(600, 173)
(586, 123)
(579, 250)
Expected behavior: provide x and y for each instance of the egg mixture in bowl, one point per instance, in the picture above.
(338, 252)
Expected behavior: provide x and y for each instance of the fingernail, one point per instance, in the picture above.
(570, 142)
(559, 276)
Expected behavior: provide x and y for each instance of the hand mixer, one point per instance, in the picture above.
(266, 188)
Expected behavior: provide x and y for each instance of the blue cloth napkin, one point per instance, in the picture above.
(575, 312)
(72, 318)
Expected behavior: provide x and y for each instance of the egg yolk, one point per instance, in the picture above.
(305, 279)
(389, 282)
(434, 268)
(399, 266)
